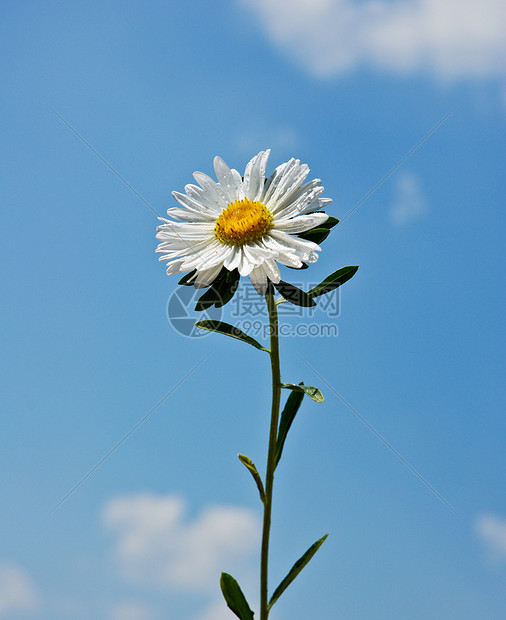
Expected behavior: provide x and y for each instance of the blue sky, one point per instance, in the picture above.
(158, 89)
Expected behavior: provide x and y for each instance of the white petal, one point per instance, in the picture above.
(174, 267)
(254, 175)
(207, 276)
(288, 183)
(237, 260)
(294, 242)
(261, 250)
(183, 230)
(299, 201)
(189, 215)
(209, 257)
(272, 271)
(259, 280)
(183, 247)
(301, 223)
(245, 266)
(233, 259)
(230, 181)
(290, 260)
(205, 257)
(191, 203)
(315, 205)
(204, 197)
(180, 251)
(252, 255)
(215, 195)
(281, 253)
(238, 184)
(291, 246)
(275, 178)
(324, 202)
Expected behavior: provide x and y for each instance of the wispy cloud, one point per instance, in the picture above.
(492, 531)
(409, 203)
(448, 38)
(17, 591)
(157, 545)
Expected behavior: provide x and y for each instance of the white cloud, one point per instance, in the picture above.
(131, 610)
(17, 592)
(448, 38)
(408, 204)
(158, 546)
(492, 531)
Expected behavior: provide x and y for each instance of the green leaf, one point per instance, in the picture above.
(248, 463)
(186, 277)
(294, 295)
(309, 390)
(316, 235)
(333, 281)
(234, 597)
(229, 330)
(296, 569)
(292, 405)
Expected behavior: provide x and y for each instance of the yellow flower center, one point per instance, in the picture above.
(243, 221)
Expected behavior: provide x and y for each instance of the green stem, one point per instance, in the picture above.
(271, 455)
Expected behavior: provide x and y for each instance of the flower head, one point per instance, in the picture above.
(247, 224)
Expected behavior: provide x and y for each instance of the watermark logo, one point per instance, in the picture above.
(247, 311)
(182, 315)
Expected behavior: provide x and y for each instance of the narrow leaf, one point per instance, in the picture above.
(229, 330)
(309, 390)
(250, 466)
(296, 569)
(333, 281)
(234, 597)
(292, 405)
(316, 235)
(294, 295)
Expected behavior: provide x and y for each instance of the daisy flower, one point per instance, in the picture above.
(248, 224)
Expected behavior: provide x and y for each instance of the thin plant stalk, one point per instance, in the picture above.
(271, 454)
